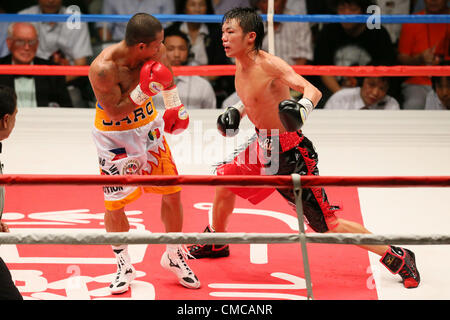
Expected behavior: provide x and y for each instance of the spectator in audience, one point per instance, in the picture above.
(206, 46)
(65, 44)
(371, 95)
(292, 40)
(348, 44)
(32, 91)
(439, 97)
(195, 91)
(205, 38)
(116, 31)
(222, 6)
(417, 46)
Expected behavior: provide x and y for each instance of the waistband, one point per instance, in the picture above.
(140, 116)
(286, 140)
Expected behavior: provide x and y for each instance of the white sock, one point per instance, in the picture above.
(172, 247)
(121, 253)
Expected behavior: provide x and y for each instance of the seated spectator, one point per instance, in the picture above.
(32, 91)
(205, 38)
(371, 95)
(439, 97)
(292, 40)
(347, 44)
(195, 92)
(206, 46)
(417, 46)
(116, 31)
(64, 46)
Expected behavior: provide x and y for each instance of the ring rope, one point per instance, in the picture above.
(232, 180)
(215, 18)
(229, 70)
(184, 238)
(146, 237)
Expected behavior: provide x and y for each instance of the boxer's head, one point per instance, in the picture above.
(145, 32)
(243, 25)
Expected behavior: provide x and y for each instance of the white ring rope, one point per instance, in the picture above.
(270, 28)
(146, 237)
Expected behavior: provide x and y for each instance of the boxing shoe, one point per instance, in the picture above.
(403, 262)
(174, 260)
(199, 251)
(125, 272)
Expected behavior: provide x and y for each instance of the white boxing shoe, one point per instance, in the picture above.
(124, 276)
(174, 260)
(125, 271)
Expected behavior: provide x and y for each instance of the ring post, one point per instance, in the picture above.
(301, 228)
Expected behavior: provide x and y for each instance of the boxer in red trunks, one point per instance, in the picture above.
(263, 82)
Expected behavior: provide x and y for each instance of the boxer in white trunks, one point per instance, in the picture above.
(129, 136)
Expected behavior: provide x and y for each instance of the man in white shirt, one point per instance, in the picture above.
(195, 92)
(292, 40)
(372, 95)
(75, 43)
(116, 31)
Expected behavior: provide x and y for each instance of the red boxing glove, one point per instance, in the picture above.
(176, 120)
(176, 117)
(154, 78)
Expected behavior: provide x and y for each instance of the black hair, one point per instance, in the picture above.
(436, 80)
(142, 27)
(8, 100)
(363, 4)
(249, 20)
(171, 32)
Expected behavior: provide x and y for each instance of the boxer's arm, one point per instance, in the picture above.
(105, 83)
(176, 117)
(162, 57)
(281, 70)
(293, 113)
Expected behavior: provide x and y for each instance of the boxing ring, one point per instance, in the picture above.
(401, 187)
(395, 161)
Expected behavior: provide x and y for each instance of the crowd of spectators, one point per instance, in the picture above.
(298, 43)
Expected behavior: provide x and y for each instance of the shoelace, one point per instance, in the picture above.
(183, 254)
(120, 265)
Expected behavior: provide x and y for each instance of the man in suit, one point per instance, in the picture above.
(33, 91)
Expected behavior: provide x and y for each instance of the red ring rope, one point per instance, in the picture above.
(223, 70)
(249, 181)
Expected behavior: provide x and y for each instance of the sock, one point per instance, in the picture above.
(122, 255)
(172, 247)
